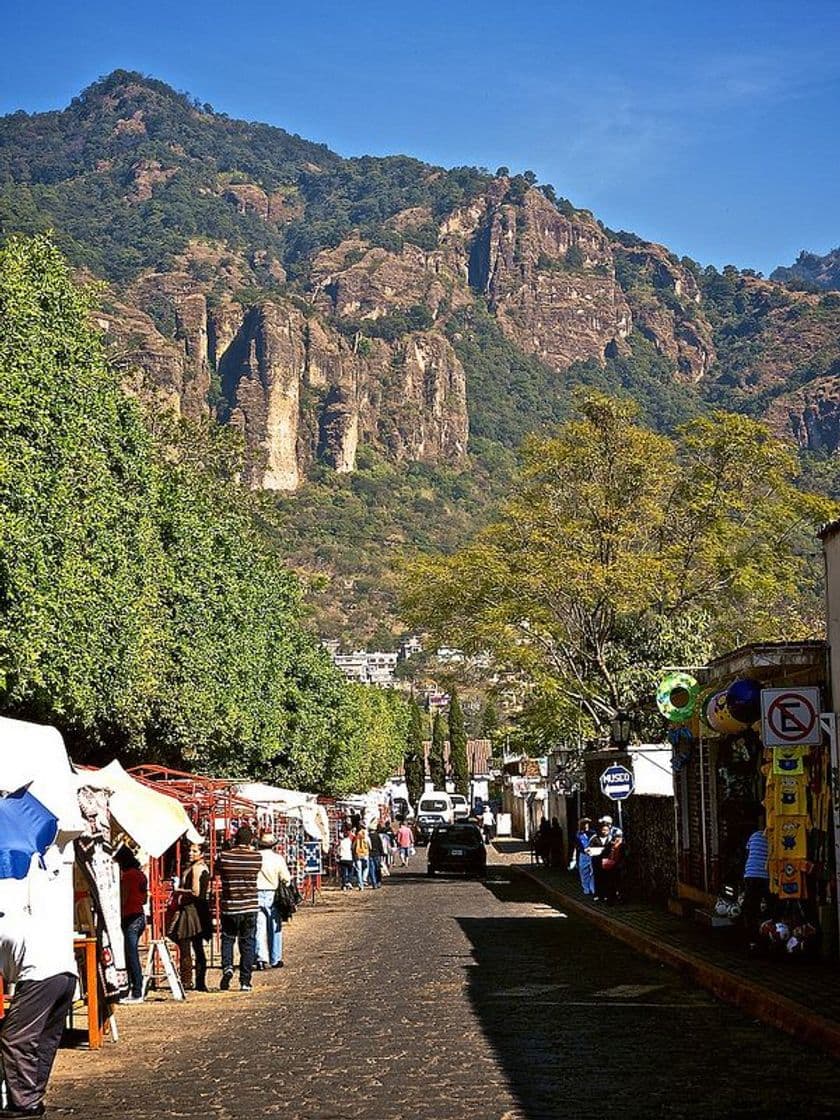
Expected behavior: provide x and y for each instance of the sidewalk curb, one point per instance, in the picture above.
(761, 1003)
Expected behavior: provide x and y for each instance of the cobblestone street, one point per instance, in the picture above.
(436, 999)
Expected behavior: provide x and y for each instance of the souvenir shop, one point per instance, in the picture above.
(733, 775)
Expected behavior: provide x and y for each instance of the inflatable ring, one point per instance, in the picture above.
(677, 682)
(717, 715)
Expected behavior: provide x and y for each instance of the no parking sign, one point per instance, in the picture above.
(790, 717)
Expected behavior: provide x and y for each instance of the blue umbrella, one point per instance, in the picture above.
(26, 827)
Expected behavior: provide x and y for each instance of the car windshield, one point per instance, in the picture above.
(459, 834)
(433, 806)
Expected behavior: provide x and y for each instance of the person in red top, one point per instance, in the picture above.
(134, 890)
(405, 842)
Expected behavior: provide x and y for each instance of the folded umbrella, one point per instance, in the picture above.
(26, 827)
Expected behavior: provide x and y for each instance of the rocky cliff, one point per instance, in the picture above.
(307, 299)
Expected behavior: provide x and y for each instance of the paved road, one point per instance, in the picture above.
(439, 999)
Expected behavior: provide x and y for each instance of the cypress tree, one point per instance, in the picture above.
(415, 763)
(437, 762)
(458, 747)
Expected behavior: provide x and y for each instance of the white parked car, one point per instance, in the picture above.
(435, 807)
(460, 806)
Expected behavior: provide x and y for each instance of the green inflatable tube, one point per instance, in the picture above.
(677, 682)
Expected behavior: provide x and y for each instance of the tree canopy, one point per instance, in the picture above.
(143, 608)
(621, 550)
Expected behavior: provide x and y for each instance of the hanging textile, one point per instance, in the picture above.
(791, 795)
(789, 760)
(94, 855)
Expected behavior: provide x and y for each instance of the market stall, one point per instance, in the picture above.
(733, 776)
(40, 899)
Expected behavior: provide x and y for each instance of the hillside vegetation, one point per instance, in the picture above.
(384, 333)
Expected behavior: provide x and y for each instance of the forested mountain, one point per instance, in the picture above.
(382, 332)
(810, 271)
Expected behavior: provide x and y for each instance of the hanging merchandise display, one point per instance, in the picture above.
(743, 699)
(26, 827)
(789, 760)
(94, 856)
(790, 799)
(676, 697)
(682, 741)
(718, 716)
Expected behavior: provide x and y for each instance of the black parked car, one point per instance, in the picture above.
(457, 847)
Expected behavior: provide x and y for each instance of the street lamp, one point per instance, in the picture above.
(621, 726)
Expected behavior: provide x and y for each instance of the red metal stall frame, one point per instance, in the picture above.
(207, 801)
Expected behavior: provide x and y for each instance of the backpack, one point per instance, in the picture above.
(286, 899)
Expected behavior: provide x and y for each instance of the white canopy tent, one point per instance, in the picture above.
(153, 820)
(294, 803)
(34, 755)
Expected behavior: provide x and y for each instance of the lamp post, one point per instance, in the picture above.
(621, 727)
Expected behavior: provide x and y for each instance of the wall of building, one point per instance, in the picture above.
(831, 547)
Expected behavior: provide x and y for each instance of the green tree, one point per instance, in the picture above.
(415, 764)
(144, 605)
(458, 746)
(80, 560)
(437, 758)
(573, 257)
(621, 550)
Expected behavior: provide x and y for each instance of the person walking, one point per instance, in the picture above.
(584, 860)
(612, 864)
(134, 890)
(345, 858)
(238, 868)
(376, 858)
(556, 848)
(595, 850)
(361, 855)
(405, 841)
(274, 871)
(38, 958)
(488, 823)
(193, 925)
(756, 883)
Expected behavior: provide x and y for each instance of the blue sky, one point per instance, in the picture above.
(710, 127)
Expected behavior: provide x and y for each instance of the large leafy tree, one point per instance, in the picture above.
(458, 745)
(144, 608)
(621, 550)
(80, 556)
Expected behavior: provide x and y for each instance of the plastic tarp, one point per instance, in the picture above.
(34, 755)
(295, 803)
(153, 820)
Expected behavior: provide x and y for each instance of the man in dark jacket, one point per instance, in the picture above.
(377, 852)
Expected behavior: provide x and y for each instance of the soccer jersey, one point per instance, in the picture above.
(789, 760)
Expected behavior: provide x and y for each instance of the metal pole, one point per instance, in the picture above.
(620, 821)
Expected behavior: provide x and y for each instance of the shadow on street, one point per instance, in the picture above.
(583, 1026)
